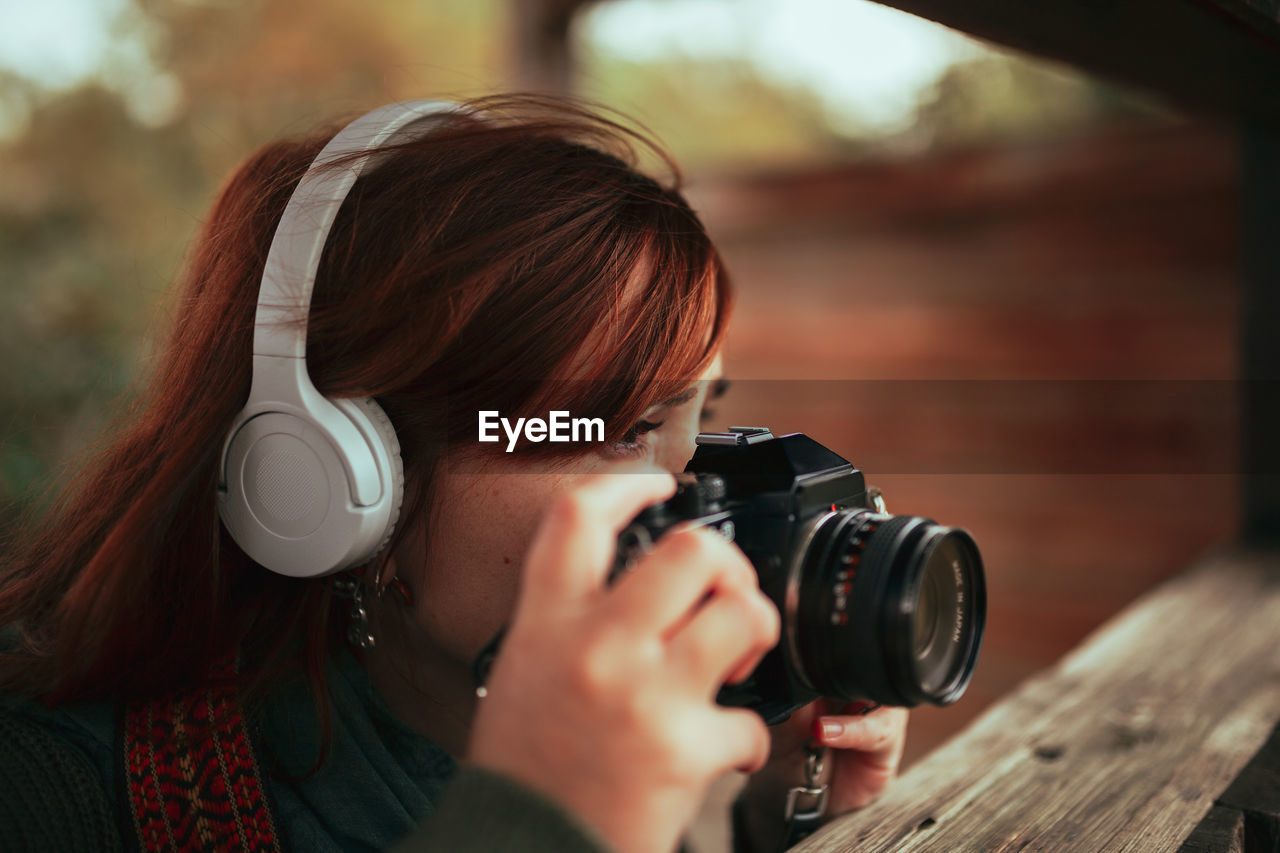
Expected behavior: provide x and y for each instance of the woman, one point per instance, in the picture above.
(171, 692)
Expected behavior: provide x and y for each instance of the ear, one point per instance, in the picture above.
(384, 571)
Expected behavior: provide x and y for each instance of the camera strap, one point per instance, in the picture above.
(806, 803)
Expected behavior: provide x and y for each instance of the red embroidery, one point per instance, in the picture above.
(192, 777)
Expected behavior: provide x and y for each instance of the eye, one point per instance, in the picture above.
(632, 442)
(639, 428)
(717, 390)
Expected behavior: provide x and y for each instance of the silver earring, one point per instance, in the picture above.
(396, 584)
(358, 634)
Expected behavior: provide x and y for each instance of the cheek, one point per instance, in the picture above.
(679, 440)
(480, 533)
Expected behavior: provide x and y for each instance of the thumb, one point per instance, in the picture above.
(575, 544)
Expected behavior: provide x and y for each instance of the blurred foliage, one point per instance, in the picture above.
(104, 185)
(714, 116)
(724, 117)
(97, 204)
(1000, 97)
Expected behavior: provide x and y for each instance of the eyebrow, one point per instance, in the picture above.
(683, 397)
(719, 385)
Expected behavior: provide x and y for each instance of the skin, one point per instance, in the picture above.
(486, 521)
(603, 696)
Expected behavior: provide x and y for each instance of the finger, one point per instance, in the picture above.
(575, 544)
(876, 732)
(725, 639)
(664, 588)
(861, 775)
(743, 736)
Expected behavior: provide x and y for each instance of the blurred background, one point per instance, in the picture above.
(1005, 290)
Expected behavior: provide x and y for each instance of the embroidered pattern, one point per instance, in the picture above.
(192, 778)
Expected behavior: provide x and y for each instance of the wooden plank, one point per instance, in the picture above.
(1255, 794)
(1221, 831)
(1217, 56)
(1123, 746)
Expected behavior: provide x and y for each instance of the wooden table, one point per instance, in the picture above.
(1158, 733)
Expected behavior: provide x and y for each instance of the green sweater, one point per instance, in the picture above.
(382, 785)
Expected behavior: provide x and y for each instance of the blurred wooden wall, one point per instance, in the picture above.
(1036, 342)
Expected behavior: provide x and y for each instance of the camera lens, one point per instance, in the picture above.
(925, 628)
(886, 608)
(938, 625)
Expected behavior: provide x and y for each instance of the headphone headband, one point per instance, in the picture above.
(310, 485)
(294, 258)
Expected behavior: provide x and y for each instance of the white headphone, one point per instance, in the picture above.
(307, 485)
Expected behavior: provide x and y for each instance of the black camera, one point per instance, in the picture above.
(874, 606)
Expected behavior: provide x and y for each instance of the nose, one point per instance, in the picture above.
(675, 454)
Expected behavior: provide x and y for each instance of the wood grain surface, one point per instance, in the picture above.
(1251, 804)
(1125, 745)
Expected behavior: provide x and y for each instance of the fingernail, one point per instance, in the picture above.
(825, 729)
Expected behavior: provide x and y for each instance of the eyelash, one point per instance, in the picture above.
(630, 443)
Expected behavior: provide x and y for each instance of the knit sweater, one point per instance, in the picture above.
(382, 784)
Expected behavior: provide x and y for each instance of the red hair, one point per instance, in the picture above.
(490, 249)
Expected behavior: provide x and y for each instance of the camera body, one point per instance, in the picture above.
(873, 606)
(758, 491)
(885, 608)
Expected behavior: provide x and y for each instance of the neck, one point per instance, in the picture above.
(428, 689)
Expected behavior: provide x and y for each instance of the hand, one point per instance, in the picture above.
(603, 697)
(865, 753)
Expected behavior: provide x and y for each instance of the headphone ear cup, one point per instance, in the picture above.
(380, 430)
(288, 499)
(309, 486)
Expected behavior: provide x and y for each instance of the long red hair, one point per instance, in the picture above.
(489, 249)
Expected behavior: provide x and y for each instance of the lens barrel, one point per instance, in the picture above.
(885, 608)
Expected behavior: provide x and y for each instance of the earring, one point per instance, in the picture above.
(358, 634)
(402, 591)
(396, 584)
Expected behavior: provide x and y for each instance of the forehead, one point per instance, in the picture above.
(715, 369)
